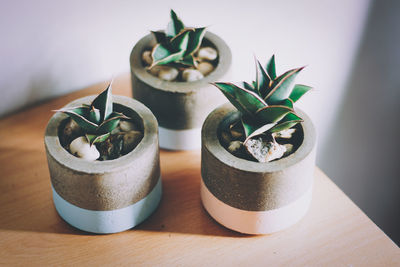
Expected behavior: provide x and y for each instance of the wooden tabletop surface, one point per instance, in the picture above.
(180, 233)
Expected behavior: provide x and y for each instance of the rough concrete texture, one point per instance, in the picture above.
(106, 185)
(255, 186)
(179, 105)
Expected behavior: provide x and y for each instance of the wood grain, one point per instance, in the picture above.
(180, 233)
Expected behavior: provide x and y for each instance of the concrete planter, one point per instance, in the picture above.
(180, 107)
(106, 196)
(251, 197)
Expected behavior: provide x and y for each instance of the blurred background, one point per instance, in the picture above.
(351, 50)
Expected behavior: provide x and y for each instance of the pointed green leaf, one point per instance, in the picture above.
(287, 103)
(283, 86)
(272, 114)
(262, 80)
(175, 25)
(78, 115)
(161, 37)
(298, 91)
(93, 139)
(111, 123)
(180, 41)
(188, 61)
(195, 39)
(244, 100)
(259, 131)
(249, 125)
(94, 115)
(249, 87)
(287, 122)
(161, 55)
(104, 103)
(271, 68)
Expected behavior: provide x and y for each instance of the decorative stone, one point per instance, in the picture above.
(146, 57)
(287, 134)
(81, 148)
(226, 138)
(71, 131)
(131, 139)
(156, 70)
(207, 53)
(264, 151)
(237, 131)
(289, 149)
(191, 75)
(205, 67)
(168, 73)
(235, 147)
(111, 148)
(127, 126)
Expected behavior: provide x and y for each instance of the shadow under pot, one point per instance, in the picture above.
(252, 197)
(180, 107)
(112, 195)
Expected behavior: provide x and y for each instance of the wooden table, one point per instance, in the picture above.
(180, 233)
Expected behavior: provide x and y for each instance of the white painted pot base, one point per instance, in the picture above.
(107, 222)
(255, 222)
(180, 139)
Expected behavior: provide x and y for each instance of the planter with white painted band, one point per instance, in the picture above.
(106, 196)
(180, 107)
(252, 197)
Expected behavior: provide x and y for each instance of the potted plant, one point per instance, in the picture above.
(103, 159)
(171, 74)
(258, 156)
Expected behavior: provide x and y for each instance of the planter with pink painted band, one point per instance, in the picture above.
(252, 197)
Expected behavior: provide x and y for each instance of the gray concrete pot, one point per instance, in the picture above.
(180, 107)
(106, 196)
(252, 197)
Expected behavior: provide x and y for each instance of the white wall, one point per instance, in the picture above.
(49, 48)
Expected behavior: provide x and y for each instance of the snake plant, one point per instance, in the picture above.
(266, 104)
(177, 44)
(98, 119)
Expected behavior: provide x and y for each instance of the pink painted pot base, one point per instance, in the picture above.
(255, 222)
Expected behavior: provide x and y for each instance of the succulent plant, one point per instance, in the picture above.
(177, 44)
(266, 104)
(98, 119)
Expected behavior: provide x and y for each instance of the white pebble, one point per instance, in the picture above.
(207, 53)
(168, 73)
(127, 126)
(191, 75)
(205, 67)
(81, 148)
(146, 57)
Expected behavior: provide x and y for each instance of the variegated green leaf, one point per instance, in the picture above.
(259, 131)
(94, 115)
(271, 70)
(195, 39)
(282, 87)
(104, 103)
(180, 41)
(188, 61)
(271, 114)
(160, 36)
(249, 87)
(287, 103)
(287, 122)
(78, 115)
(175, 25)
(93, 139)
(111, 123)
(244, 100)
(298, 91)
(262, 80)
(161, 55)
(249, 125)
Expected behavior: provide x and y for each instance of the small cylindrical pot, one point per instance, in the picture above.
(252, 197)
(106, 196)
(180, 107)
